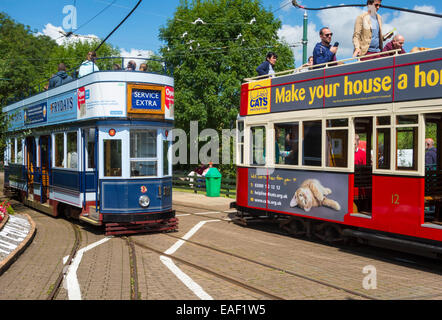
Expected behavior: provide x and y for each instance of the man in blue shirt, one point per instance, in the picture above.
(323, 51)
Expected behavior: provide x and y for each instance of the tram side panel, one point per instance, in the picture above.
(398, 203)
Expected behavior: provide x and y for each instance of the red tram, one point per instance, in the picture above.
(339, 151)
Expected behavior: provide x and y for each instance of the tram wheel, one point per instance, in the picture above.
(328, 232)
(294, 226)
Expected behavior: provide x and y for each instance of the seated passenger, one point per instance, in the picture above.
(267, 66)
(395, 44)
(61, 77)
(430, 152)
(323, 51)
(360, 155)
(88, 66)
(131, 66)
(143, 67)
(116, 67)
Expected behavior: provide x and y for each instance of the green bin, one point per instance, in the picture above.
(213, 182)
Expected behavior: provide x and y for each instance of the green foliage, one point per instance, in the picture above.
(29, 60)
(208, 78)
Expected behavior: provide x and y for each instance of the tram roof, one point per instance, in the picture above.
(350, 82)
(109, 94)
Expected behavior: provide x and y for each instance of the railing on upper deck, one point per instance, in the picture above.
(104, 64)
(304, 68)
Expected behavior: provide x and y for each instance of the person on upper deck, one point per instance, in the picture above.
(131, 66)
(61, 77)
(367, 36)
(323, 51)
(143, 67)
(396, 44)
(267, 66)
(89, 65)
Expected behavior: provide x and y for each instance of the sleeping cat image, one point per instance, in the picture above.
(312, 193)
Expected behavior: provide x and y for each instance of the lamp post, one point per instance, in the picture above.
(304, 39)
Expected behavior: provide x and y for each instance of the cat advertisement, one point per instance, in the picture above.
(316, 194)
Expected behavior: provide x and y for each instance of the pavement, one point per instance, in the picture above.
(17, 231)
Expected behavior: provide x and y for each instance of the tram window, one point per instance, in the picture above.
(336, 123)
(143, 143)
(312, 143)
(383, 148)
(12, 146)
(240, 137)
(383, 121)
(90, 143)
(408, 119)
(112, 158)
(72, 150)
(59, 150)
(286, 143)
(19, 158)
(258, 145)
(337, 148)
(166, 145)
(406, 155)
(143, 168)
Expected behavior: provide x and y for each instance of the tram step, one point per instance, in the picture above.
(90, 220)
(93, 213)
(145, 226)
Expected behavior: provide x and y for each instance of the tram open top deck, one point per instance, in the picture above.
(395, 78)
(101, 94)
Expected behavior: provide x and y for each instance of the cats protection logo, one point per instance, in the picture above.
(259, 97)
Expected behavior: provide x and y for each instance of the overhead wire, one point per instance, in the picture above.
(297, 5)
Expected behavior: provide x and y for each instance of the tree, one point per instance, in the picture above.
(211, 58)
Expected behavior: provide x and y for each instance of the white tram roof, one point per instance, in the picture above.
(103, 93)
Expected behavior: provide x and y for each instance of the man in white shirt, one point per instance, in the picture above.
(88, 66)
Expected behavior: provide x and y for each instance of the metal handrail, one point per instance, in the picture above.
(326, 65)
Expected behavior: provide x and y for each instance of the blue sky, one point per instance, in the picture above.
(139, 34)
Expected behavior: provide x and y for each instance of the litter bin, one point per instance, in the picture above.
(213, 182)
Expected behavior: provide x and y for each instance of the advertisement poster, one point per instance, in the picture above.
(309, 193)
(104, 99)
(169, 103)
(36, 114)
(62, 107)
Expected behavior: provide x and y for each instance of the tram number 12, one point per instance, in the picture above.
(395, 198)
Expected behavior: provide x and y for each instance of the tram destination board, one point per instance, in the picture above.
(393, 79)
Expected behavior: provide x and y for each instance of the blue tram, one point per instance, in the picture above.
(97, 149)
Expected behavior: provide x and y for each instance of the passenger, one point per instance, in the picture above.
(323, 51)
(396, 44)
(143, 67)
(131, 66)
(307, 66)
(430, 152)
(61, 77)
(360, 154)
(267, 66)
(367, 35)
(88, 66)
(116, 67)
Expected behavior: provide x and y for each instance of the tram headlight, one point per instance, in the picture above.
(144, 201)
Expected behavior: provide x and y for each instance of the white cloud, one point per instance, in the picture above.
(59, 35)
(293, 36)
(133, 54)
(413, 27)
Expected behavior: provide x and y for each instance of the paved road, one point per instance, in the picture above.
(289, 268)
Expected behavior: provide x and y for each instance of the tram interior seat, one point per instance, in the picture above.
(362, 189)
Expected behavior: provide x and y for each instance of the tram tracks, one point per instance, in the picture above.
(223, 277)
(59, 282)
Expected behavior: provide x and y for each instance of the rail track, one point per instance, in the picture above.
(59, 282)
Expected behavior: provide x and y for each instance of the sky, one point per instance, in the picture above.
(138, 36)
